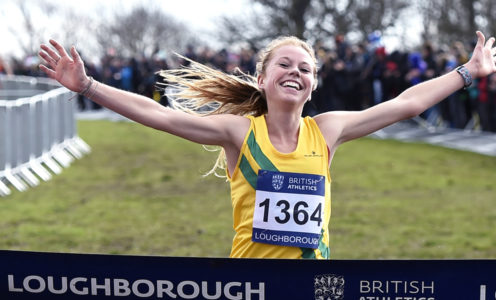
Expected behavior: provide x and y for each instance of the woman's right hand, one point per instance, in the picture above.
(68, 71)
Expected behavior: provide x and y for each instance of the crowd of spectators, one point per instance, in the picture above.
(351, 77)
(357, 76)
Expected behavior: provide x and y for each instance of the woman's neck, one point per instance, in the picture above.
(283, 130)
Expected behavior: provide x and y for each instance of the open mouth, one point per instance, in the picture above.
(291, 84)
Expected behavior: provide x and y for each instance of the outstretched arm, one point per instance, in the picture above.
(69, 71)
(339, 127)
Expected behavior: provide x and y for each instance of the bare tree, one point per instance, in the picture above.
(78, 30)
(268, 19)
(429, 13)
(28, 32)
(312, 19)
(457, 20)
(487, 10)
(446, 21)
(372, 15)
(142, 31)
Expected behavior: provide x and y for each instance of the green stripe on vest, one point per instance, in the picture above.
(248, 172)
(262, 160)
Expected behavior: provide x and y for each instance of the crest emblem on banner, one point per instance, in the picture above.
(329, 287)
(277, 181)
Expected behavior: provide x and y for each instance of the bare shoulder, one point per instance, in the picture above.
(234, 126)
(325, 118)
(337, 126)
(330, 125)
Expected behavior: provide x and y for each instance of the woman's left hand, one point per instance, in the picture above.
(483, 60)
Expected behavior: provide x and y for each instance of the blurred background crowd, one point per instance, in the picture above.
(357, 69)
(351, 77)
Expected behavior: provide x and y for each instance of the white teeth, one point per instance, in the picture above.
(291, 84)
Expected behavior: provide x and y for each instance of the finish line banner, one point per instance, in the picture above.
(33, 275)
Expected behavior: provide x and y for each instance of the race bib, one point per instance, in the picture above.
(289, 209)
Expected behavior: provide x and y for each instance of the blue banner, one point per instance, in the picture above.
(33, 275)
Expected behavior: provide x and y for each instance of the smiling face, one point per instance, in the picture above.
(289, 75)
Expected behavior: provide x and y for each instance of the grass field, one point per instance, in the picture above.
(142, 192)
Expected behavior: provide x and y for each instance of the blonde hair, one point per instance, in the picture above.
(202, 90)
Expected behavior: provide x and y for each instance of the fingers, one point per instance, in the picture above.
(59, 48)
(480, 39)
(490, 43)
(49, 55)
(51, 73)
(75, 55)
(46, 58)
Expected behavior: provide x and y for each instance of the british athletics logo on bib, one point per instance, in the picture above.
(288, 209)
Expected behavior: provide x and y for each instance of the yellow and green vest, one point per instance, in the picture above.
(257, 153)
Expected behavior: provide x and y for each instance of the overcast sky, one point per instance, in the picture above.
(198, 14)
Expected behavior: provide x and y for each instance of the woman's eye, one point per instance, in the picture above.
(283, 65)
(305, 70)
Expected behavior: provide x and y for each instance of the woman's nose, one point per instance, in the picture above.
(294, 71)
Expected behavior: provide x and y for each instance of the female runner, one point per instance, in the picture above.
(276, 161)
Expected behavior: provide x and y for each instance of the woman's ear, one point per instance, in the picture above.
(260, 81)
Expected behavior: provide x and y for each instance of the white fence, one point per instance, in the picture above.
(38, 134)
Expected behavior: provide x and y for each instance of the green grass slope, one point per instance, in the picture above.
(142, 192)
